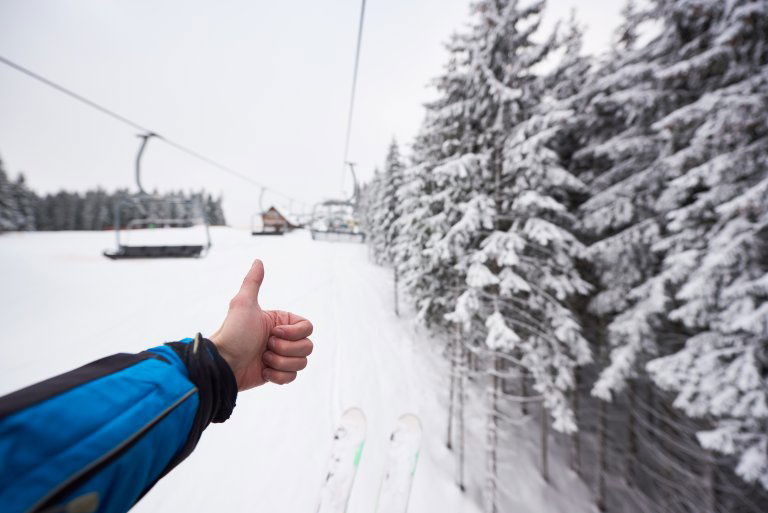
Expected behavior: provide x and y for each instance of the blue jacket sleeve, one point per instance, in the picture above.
(99, 437)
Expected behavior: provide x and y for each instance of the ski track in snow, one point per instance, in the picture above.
(63, 305)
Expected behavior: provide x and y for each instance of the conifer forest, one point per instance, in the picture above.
(22, 209)
(588, 238)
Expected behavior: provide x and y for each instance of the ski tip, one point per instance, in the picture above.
(353, 414)
(410, 421)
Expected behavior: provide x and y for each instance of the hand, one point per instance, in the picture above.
(261, 345)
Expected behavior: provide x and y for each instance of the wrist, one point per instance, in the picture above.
(211, 374)
(226, 356)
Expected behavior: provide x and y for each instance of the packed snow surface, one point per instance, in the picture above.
(63, 305)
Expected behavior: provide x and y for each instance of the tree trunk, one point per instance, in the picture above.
(649, 418)
(711, 477)
(505, 388)
(397, 295)
(454, 349)
(632, 433)
(576, 436)
(493, 438)
(544, 443)
(523, 391)
(461, 404)
(601, 455)
(472, 361)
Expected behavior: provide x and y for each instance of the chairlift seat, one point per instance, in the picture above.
(280, 232)
(338, 235)
(275, 230)
(154, 222)
(176, 251)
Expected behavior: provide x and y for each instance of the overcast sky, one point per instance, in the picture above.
(261, 86)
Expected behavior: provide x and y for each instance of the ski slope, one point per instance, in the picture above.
(63, 304)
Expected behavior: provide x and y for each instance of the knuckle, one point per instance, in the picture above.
(310, 347)
(282, 346)
(303, 363)
(281, 362)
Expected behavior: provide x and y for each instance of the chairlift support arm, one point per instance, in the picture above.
(355, 185)
(261, 199)
(144, 140)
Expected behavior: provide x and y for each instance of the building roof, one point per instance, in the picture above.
(287, 217)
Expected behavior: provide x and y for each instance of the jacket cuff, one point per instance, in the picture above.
(216, 390)
(211, 374)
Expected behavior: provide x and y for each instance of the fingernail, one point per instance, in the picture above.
(271, 342)
(280, 332)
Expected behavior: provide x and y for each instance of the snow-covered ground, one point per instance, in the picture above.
(63, 304)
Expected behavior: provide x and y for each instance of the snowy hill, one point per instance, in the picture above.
(63, 304)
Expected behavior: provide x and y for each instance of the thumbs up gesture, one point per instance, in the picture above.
(262, 345)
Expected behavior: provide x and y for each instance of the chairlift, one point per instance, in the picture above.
(272, 228)
(336, 219)
(151, 225)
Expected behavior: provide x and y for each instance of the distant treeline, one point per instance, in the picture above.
(22, 209)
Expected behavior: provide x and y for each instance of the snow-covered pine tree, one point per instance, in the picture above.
(218, 209)
(365, 203)
(608, 126)
(384, 208)
(501, 68)
(502, 89)
(572, 70)
(676, 140)
(480, 93)
(410, 233)
(10, 216)
(442, 179)
(614, 111)
(25, 201)
(524, 274)
(530, 260)
(715, 269)
(93, 210)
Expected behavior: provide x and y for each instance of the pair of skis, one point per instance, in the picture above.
(346, 451)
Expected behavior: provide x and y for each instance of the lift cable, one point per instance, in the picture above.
(185, 149)
(354, 88)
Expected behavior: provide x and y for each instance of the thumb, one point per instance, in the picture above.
(249, 290)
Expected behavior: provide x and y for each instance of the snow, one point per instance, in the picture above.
(65, 305)
(500, 336)
(479, 276)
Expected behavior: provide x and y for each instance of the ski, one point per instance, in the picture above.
(346, 450)
(403, 454)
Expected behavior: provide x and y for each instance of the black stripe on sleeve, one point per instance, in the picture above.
(56, 385)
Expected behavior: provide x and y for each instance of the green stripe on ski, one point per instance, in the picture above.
(359, 453)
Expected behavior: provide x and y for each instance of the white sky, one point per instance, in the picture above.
(261, 86)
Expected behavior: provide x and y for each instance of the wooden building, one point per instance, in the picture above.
(274, 222)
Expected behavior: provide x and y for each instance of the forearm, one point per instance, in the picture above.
(109, 430)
